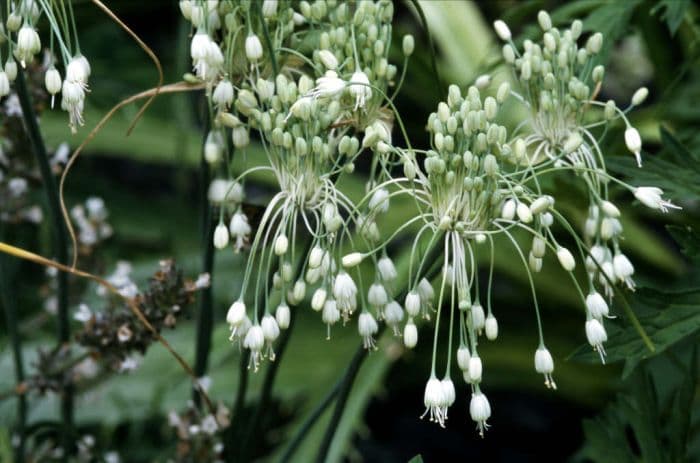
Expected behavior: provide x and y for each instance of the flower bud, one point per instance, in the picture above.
(544, 20)
(502, 30)
(352, 259)
(318, 299)
(410, 334)
(491, 327)
(328, 59)
(408, 45)
(566, 259)
(639, 96)
(253, 48)
(281, 245)
(221, 236)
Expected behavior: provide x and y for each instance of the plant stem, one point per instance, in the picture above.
(271, 372)
(238, 404)
(8, 300)
(343, 395)
(354, 367)
(205, 317)
(60, 247)
(310, 421)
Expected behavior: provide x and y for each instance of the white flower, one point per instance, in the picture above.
(386, 269)
(524, 213)
(281, 245)
(236, 313)
(327, 86)
(377, 296)
(359, 88)
(475, 369)
(11, 70)
(410, 334)
(502, 30)
(345, 293)
(544, 364)
(566, 259)
(623, 269)
(634, 143)
(352, 259)
(393, 314)
(240, 230)
(270, 328)
(463, 358)
(477, 316)
(367, 327)
(84, 314)
(491, 327)
(253, 48)
(508, 212)
(596, 305)
(269, 8)
(448, 395)
(209, 425)
(480, 411)
(596, 335)
(28, 44)
(318, 300)
(4, 84)
(221, 236)
(221, 190)
(128, 364)
(223, 94)
(328, 59)
(379, 202)
(330, 315)
(412, 303)
(651, 197)
(255, 341)
(433, 399)
(283, 315)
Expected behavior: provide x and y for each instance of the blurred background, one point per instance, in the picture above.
(641, 406)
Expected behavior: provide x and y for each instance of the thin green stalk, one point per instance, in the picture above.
(8, 300)
(433, 54)
(343, 395)
(60, 246)
(268, 41)
(271, 373)
(352, 370)
(310, 421)
(205, 315)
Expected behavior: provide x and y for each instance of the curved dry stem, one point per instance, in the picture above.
(150, 54)
(37, 259)
(171, 88)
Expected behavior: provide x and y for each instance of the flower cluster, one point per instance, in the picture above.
(199, 435)
(25, 43)
(311, 80)
(115, 334)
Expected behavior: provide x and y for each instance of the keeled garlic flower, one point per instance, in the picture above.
(26, 44)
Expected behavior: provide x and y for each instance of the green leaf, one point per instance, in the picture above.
(673, 12)
(416, 459)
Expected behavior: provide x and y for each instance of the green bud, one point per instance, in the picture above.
(408, 45)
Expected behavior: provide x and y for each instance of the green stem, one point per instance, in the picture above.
(205, 318)
(352, 370)
(8, 300)
(433, 53)
(272, 369)
(60, 246)
(343, 395)
(268, 42)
